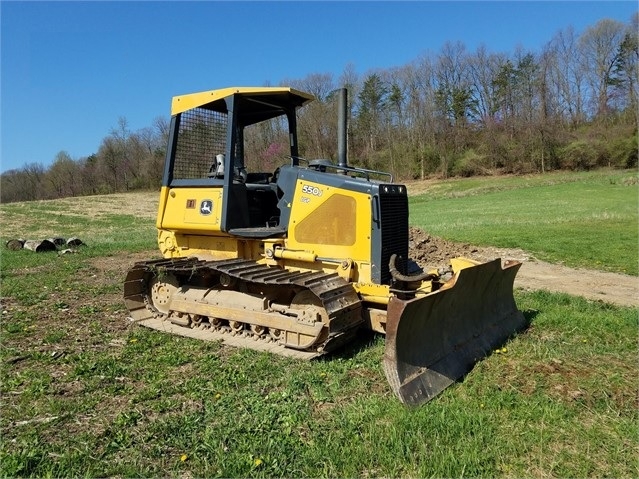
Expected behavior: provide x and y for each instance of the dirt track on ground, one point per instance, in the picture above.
(619, 289)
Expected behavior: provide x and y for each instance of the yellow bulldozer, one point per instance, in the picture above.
(295, 259)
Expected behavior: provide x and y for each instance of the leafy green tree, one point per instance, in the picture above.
(625, 73)
(372, 101)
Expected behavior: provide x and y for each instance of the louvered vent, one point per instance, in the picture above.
(394, 226)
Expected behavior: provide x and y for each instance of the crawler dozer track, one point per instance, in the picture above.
(244, 304)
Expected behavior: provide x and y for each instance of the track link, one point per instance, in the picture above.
(245, 304)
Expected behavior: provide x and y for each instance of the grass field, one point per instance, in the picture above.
(587, 219)
(84, 393)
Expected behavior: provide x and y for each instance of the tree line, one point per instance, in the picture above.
(125, 161)
(572, 105)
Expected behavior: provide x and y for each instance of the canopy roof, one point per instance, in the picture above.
(261, 103)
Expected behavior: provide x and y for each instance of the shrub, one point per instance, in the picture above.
(470, 163)
(579, 155)
(623, 152)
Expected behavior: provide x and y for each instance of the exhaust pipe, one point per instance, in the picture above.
(342, 128)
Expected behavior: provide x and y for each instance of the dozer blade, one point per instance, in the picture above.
(434, 340)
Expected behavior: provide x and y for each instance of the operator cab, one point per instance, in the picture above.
(213, 136)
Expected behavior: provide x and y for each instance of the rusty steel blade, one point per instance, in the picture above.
(434, 340)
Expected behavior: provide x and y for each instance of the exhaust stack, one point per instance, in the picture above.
(342, 128)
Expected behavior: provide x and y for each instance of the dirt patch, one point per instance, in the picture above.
(81, 314)
(430, 251)
(120, 264)
(619, 289)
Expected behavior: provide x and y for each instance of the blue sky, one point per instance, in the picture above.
(70, 70)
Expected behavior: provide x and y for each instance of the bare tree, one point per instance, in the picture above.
(109, 158)
(566, 76)
(599, 46)
(453, 93)
(62, 176)
(316, 123)
(34, 174)
(13, 187)
(483, 68)
(420, 113)
(320, 85)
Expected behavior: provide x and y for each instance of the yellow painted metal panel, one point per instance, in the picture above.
(193, 209)
(164, 193)
(183, 103)
(330, 222)
(209, 247)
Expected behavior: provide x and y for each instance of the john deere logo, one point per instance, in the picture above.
(206, 207)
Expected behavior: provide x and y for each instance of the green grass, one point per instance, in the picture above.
(107, 224)
(162, 405)
(84, 393)
(587, 220)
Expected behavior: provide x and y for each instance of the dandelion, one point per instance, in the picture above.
(183, 457)
(218, 396)
(134, 340)
(257, 462)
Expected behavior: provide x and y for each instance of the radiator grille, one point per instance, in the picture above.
(201, 136)
(394, 228)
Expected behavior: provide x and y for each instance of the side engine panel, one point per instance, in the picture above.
(333, 222)
(341, 217)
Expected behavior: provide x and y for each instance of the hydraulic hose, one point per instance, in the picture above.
(397, 276)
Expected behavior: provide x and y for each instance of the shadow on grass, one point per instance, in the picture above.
(529, 314)
(362, 341)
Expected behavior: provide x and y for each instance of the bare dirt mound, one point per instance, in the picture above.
(620, 289)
